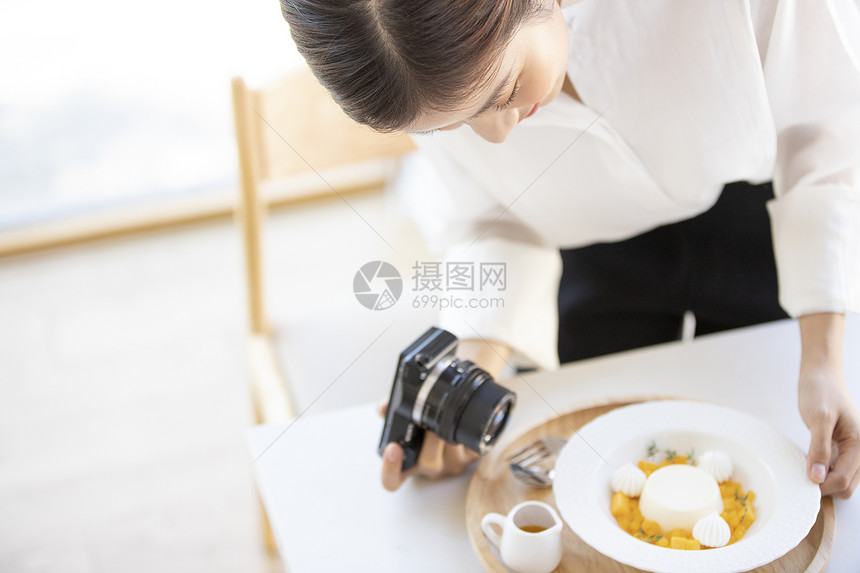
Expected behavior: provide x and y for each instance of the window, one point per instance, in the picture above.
(110, 103)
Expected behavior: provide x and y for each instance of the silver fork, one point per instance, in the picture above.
(534, 464)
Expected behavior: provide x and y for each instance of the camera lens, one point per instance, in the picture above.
(463, 405)
(484, 417)
(497, 423)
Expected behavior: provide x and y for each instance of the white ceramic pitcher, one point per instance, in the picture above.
(530, 541)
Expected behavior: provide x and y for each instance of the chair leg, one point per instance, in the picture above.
(268, 537)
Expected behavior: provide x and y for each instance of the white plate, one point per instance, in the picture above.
(765, 461)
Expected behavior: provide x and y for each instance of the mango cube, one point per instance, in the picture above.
(619, 505)
(648, 467)
(651, 528)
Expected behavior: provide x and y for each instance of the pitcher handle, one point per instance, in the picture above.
(487, 526)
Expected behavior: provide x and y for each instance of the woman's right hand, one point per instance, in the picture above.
(438, 458)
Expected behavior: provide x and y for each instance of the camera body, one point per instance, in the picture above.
(433, 390)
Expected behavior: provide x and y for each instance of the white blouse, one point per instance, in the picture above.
(679, 99)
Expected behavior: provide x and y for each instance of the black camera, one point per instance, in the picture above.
(435, 391)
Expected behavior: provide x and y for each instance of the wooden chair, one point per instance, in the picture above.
(296, 145)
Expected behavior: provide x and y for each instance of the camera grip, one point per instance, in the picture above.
(412, 448)
(405, 432)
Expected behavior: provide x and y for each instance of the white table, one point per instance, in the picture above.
(320, 478)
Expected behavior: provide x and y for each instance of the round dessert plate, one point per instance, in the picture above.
(765, 461)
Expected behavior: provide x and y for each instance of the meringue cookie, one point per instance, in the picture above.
(629, 480)
(716, 463)
(712, 531)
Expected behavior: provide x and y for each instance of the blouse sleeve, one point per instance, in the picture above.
(813, 81)
(514, 297)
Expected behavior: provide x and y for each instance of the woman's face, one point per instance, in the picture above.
(531, 74)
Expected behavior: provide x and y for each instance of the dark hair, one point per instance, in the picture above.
(385, 62)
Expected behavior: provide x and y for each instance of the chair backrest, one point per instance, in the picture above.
(296, 144)
(297, 112)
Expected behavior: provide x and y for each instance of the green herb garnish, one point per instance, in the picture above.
(652, 449)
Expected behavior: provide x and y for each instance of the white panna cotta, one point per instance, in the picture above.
(677, 496)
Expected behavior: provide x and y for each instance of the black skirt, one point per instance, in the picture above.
(718, 265)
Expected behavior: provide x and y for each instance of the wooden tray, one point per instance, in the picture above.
(494, 489)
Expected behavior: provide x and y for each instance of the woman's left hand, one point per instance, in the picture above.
(827, 408)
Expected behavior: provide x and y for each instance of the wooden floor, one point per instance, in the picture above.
(123, 401)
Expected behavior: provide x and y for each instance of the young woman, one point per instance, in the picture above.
(614, 130)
